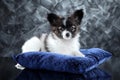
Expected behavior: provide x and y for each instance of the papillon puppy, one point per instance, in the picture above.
(62, 39)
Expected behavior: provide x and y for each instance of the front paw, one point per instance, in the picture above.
(79, 54)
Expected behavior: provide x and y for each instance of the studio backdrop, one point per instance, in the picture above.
(22, 19)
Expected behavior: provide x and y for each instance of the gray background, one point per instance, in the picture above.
(21, 19)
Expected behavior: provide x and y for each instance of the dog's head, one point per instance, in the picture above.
(66, 28)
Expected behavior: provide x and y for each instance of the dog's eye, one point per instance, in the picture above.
(60, 28)
(73, 28)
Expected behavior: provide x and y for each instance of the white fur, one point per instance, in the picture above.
(64, 35)
(34, 44)
(62, 46)
(18, 66)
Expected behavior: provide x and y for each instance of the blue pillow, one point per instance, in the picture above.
(63, 63)
(95, 74)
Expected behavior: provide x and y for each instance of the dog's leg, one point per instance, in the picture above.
(33, 44)
(78, 53)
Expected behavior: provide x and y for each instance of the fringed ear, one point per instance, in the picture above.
(77, 16)
(53, 19)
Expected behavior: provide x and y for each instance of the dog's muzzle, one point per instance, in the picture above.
(66, 35)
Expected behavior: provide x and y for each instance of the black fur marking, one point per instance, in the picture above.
(54, 20)
(78, 15)
(45, 42)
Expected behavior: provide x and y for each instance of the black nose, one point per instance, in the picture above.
(67, 34)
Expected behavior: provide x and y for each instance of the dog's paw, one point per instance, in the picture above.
(79, 54)
(18, 66)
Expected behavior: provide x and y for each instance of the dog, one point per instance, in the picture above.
(62, 39)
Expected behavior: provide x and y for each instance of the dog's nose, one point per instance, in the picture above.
(67, 34)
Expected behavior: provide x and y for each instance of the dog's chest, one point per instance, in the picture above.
(62, 46)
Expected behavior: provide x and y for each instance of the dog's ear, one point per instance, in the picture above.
(77, 16)
(54, 19)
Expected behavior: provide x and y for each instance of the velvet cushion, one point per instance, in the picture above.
(63, 63)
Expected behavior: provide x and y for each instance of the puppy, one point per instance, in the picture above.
(62, 39)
